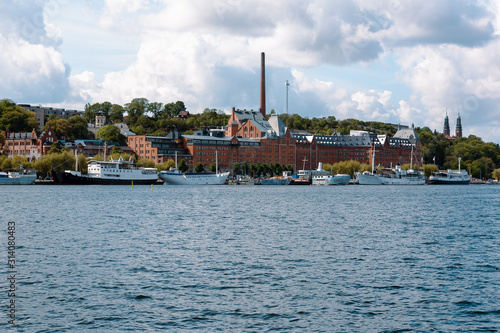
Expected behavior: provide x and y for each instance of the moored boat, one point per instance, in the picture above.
(450, 177)
(175, 177)
(114, 172)
(18, 177)
(338, 179)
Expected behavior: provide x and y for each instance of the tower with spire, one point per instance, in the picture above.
(446, 129)
(458, 129)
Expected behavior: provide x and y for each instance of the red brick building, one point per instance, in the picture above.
(250, 138)
(29, 144)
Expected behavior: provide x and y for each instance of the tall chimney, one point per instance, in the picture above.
(263, 84)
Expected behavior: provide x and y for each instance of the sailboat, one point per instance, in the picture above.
(175, 177)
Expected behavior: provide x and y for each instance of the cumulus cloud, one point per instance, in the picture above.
(30, 61)
(207, 54)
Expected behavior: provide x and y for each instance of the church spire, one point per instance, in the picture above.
(446, 129)
(458, 129)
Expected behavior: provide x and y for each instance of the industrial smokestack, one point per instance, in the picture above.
(263, 84)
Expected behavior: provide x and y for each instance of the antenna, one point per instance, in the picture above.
(287, 84)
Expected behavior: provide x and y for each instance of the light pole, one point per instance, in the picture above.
(287, 84)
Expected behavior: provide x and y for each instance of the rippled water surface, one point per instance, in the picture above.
(255, 258)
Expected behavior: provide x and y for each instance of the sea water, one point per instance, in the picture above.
(252, 258)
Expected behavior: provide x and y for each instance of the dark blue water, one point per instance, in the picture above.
(286, 259)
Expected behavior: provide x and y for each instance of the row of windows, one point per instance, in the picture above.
(212, 148)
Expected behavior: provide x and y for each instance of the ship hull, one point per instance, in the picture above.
(368, 179)
(194, 178)
(447, 182)
(65, 178)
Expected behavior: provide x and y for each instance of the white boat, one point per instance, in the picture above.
(392, 177)
(114, 172)
(367, 178)
(450, 177)
(338, 179)
(175, 177)
(18, 177)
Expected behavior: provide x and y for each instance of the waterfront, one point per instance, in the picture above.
(255, 258)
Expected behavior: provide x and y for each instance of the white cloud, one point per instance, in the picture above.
(30, 62)
(207, 54)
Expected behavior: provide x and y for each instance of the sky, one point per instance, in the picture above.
(396, 61)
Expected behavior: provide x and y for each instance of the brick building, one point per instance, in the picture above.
(29, 144)
(160, 149)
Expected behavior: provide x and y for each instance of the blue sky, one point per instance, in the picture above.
(398, 61)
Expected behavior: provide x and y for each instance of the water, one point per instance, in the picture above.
(286, 259)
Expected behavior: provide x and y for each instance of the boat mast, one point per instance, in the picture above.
(411, 158)
(176, 159)
(105, 149)
(373, 156)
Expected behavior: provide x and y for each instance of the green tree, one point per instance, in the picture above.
(236, 168)
(61, 127)
(91, 111)
(2, 139)
(155, 109)
(429, 169)
(106, 109)
(136, 108)
(79, 128)
(199, 167)
(6, 164)
(496, 174)
(212, 167)
(111, 133)
(183, 166)
(170, 163)
(245, 169)
(146, 163)
(15, 118)
(55, 148)
(116, 113)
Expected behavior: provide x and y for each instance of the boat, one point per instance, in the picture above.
(18, 177)
(113, 172)
(450, 177)
(285, 179)
(391, 176)
(338, 179)
(175, 177)
(305, 177)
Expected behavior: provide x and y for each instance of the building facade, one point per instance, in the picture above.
(31, 145)
(41, 112)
